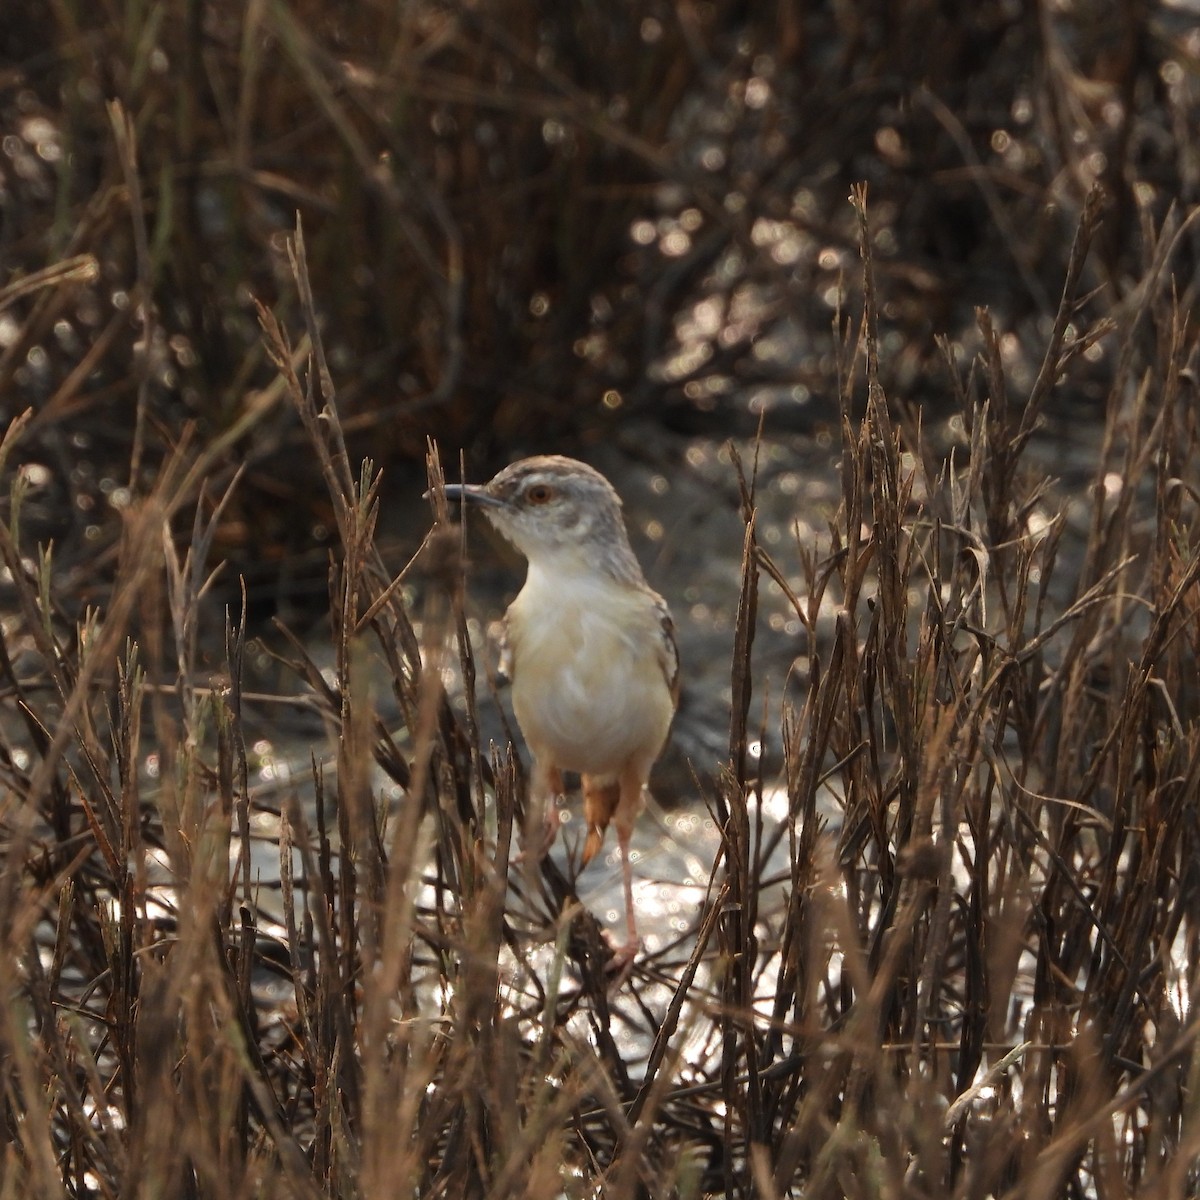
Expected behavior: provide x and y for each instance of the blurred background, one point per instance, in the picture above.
(597, 229)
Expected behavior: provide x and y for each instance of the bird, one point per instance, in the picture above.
(589, 649)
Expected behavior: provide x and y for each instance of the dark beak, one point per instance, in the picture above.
(471, 493)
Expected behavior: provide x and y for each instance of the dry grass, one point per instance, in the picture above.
(973, 979)
(979, 982)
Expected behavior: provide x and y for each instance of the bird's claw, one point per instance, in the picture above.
(619, 967)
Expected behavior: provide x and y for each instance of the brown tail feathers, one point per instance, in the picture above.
(599, 803)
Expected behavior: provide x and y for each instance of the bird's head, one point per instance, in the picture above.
(551, 506)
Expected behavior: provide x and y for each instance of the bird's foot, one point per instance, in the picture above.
(620, 966)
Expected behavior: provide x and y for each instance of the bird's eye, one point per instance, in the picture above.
(540, 493)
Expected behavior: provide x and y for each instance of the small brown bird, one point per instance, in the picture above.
(590, 648)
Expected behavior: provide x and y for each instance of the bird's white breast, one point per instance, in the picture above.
(588, 682)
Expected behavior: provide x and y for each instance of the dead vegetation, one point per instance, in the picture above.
(979, 983)
(974, 981)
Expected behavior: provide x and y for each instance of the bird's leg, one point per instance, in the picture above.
(623, 956)
(541, 814)
(627, 810)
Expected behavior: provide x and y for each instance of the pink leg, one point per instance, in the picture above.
(620, 966)
(631, 938)
(545, 790)
(623, 956)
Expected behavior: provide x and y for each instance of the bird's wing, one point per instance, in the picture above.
(504, 669)
(668, 650)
